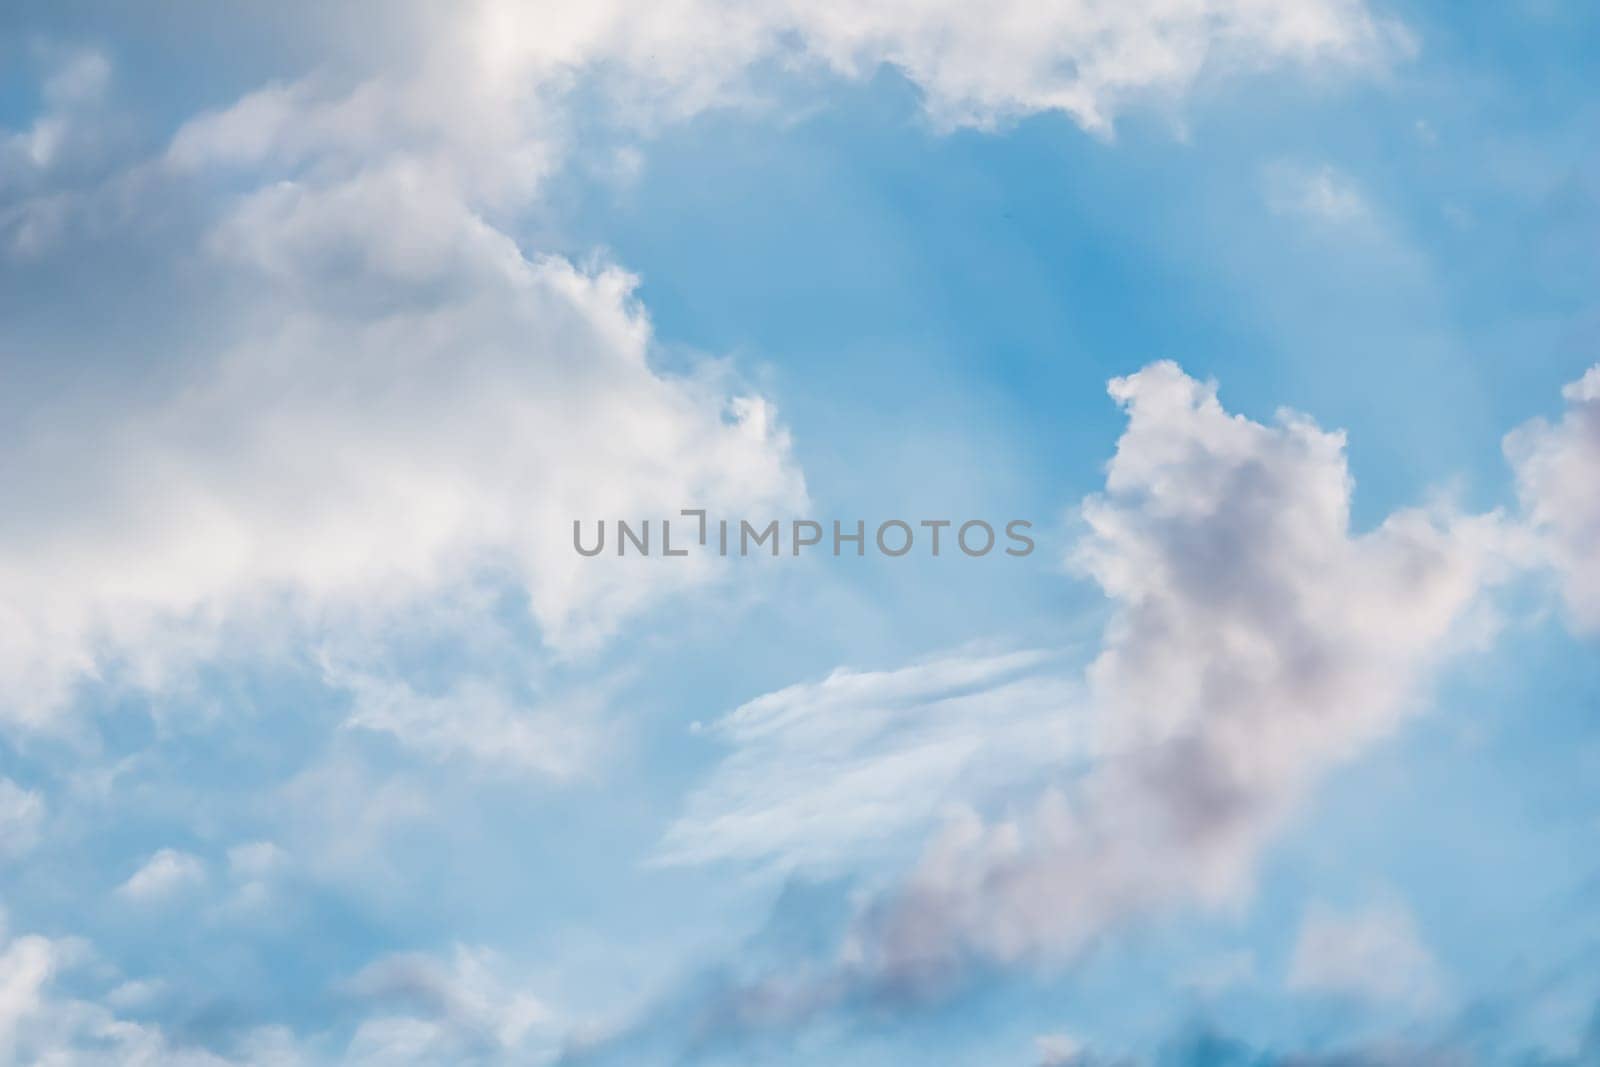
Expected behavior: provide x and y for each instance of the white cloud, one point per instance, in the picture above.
(65, 146)
(166, 874)
(401, 405)
(256, 860)
(461, 1004)
(412, 1008)
(21, 815)
(490, 73)
(1256, 643)
(256, 870)
(136, 994)
(423, 1009)
(1558, 468)
(1321, 194)
(26, 965)
(376, 808)
(433, 1010)
(38, 1026)
(1088, 60)
(340, 467)
(557, 737)
(405, 401)
(824, 774)
(1058, 1050)
(73, 86)
(79, 76)
(1374, 955)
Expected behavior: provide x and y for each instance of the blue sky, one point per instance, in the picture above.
(318, 329)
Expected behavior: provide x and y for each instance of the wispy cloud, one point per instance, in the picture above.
(823, 774)
(166, 874)
(1320, 194)
(1374, 955)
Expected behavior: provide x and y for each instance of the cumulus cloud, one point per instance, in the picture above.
(1374, 955)
(1256, 642)
(1558, 467)
(402, 404)
(402, 399)
(343, 464)
(26, 965)
(40, 1024)
(823, 774)
(415, 1007)
(166, 874)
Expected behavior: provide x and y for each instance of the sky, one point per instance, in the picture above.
(1276, 320)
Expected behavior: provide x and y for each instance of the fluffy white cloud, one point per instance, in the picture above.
(1374, 955)
(1256, 643)
(408, 405)
(486, 74)
(826, 773)
(39, 1024)
(25, 967)
(1558, 469)
(402, 406)
(347, 465)
(413, 1008)
(166, 874)
(407, 400)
